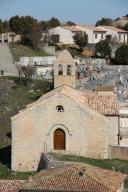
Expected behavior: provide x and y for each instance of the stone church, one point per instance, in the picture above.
(64, 120)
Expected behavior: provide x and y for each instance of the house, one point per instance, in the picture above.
(9, 37)
(63, 34)
(64, 120)
(113, 32)
(75, 177)
(94, 34)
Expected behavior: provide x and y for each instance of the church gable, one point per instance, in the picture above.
(59, 120)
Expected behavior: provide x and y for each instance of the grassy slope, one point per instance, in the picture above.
(19, 50)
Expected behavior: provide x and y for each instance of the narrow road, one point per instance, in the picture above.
(6, 61)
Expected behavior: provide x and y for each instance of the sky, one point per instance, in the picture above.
(78, 11)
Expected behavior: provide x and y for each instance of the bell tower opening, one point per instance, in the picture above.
(65, 70)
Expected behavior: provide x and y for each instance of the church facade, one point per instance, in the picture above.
(65, 121)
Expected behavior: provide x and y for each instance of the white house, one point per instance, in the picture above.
(94, 34)
(63, 34)
(9, 37)
(112, 32)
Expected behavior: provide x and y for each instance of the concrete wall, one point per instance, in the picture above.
(46, 60)
(118, 152)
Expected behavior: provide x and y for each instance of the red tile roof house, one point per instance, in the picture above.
(73, 178)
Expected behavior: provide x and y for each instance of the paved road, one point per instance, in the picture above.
(6, 61)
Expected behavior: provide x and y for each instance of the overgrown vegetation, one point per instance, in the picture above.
(19, 50)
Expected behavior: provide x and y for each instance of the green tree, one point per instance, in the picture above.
(103, 48)
(81, 39)
(104, 21)
(53, 22)
(126, 27)
(1, 26)
(70, 23)
(16, 24)
(121, 55)
(21, 25)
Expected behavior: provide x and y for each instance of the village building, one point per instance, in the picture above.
(94, 34)
(9, 37)
(65, 120)
(63, 34)
(120, 35)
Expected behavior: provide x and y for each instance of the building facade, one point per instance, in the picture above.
(64, 121)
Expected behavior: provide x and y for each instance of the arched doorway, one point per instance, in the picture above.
(59, 139)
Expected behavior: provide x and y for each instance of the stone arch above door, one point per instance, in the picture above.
(59, 126)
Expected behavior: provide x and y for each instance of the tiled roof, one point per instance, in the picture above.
(105, 88)
(112, 28)
(104, 104)
(93, 28)
(72, 28)
(10, 185)
(75, 178)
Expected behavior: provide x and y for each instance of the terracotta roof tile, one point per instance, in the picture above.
(93, 28)
(72, 28)
(75, 178)
(103, 104)
(10, 185)
(112, 28)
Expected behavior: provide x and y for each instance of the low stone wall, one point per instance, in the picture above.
(118, 152)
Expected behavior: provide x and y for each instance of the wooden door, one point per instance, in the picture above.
(59, 139)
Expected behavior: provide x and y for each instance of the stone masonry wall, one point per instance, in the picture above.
(33, 130)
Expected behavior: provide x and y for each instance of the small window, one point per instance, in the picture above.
(60, 69)
(69, 69)
(59, 108)
(119, 37)
(102, 36)
(95, 36)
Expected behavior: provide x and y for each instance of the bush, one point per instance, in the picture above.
(121, 55)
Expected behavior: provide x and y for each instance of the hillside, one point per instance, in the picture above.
(19, 50)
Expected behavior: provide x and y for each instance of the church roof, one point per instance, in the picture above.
(76, 177)
(103, 104)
